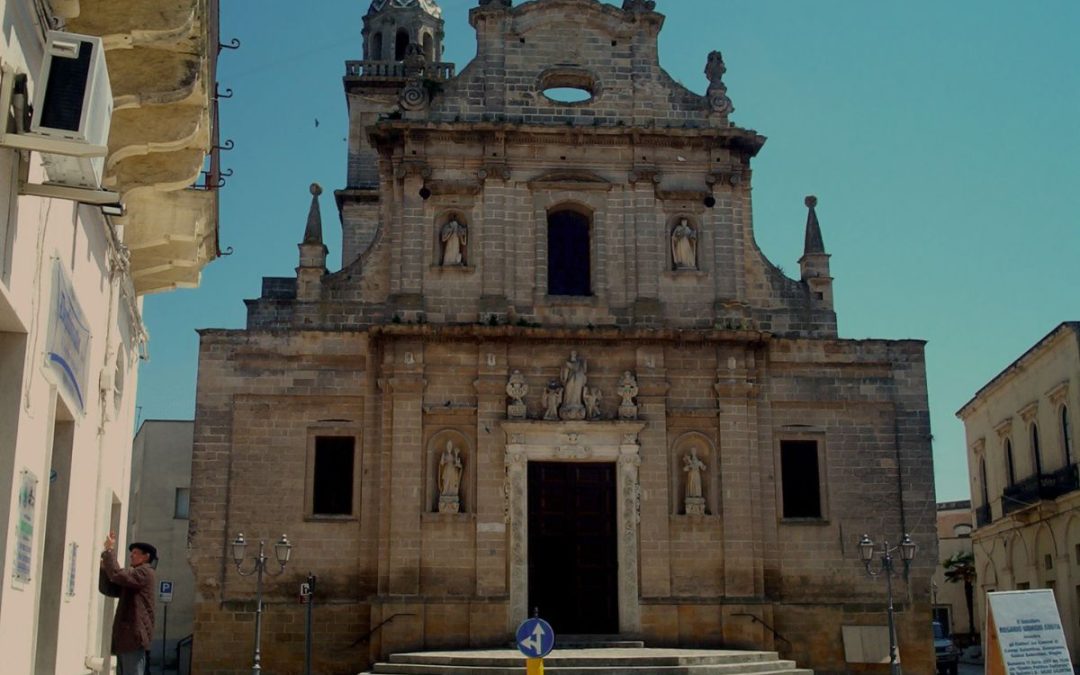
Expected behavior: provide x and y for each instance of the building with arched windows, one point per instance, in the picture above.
(555, 372)
(1022, 459)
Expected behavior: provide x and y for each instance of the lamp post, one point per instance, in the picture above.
(867, 549)
(282, 550)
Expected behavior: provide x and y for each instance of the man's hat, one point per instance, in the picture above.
(145, 548)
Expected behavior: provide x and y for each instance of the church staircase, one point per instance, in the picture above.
(633, 660)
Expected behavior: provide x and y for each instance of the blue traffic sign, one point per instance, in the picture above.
(535, 638)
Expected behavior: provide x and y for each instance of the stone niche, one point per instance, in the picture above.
(574, 441)
(686, 500)
(436, 446)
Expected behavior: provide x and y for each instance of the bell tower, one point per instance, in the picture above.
(393, 30)
(390, 26)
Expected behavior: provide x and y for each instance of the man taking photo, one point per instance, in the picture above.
(133, 625)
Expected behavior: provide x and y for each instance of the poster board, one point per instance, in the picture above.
(1024, 634)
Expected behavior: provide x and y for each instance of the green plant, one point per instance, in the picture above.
(960, 568)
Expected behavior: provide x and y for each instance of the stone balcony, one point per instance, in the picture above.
(162, 60)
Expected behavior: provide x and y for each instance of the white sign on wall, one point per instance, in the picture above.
(24, 528)
(1025, 635)
(68, 346)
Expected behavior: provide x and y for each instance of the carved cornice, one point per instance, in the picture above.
(388, 133)
(979, 446)
(387, 332)
(452, 187)
(570, 180)
(1058, 392)
(1028, 412)
(1004, 427)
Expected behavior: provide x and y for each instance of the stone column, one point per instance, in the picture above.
(515, 488)
(628, 512)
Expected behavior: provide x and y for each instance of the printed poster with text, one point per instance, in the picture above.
(1025, 635)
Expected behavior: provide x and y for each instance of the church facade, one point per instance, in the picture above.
(555, 373)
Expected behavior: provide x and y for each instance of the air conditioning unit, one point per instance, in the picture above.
(73, 102)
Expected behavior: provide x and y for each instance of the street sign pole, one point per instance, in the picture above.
(310, 606)
(165, 593)
(534, 666)
(164, 637)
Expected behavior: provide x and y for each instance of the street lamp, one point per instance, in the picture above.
(282, 551)
(867, 549)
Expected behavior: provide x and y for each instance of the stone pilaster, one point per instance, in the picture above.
(654, 478)
(491, 537)
(406, 474)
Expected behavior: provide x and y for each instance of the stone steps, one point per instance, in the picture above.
(592, 661)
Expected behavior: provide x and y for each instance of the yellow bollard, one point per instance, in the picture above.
(534, 666)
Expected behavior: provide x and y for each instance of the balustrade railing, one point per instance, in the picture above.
(1040, 487)
(396, 70)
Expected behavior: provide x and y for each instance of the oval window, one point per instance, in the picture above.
(568, 85)
(568, 94)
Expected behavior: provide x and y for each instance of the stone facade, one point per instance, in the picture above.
(1022, 457)
(667, 346)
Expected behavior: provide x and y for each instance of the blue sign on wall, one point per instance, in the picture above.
(535, 638)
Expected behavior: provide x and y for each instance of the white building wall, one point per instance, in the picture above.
(43, 627)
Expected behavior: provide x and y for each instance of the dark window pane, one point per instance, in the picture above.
(800, 480)
(569, 268)
(333, 485)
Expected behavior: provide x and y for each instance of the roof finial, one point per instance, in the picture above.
(313, 231)
(813, 243)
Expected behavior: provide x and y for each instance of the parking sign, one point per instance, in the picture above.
(165, 591)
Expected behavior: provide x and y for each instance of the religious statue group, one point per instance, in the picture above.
(570, 397)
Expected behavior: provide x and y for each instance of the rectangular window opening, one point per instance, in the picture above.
(1048, 561)
(332, 486)
(800, 479)
(182, 504)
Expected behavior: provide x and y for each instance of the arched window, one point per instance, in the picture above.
(569, 269)
(401, 44)
(1036, 455)
(429, 48)
(375, 53)
(1010, 466)
(1066, 435)
(982, 480)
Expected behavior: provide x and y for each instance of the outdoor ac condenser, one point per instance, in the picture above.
(73, 102)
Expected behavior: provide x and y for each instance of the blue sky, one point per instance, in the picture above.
(941, 139)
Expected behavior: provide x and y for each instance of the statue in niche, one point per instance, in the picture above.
(695, 499)
(454, 237)
(684, 246)
(450, 467)
(516, 389)
(552, 399)
(573, 377)
(592, 397)
(628, 389)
